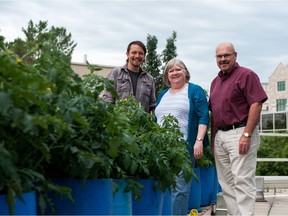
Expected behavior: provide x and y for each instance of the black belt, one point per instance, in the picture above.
(230, 127)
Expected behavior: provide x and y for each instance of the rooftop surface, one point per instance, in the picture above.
(275, 203)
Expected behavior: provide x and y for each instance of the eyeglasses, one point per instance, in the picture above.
(224, 55)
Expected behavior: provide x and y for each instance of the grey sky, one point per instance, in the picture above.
(102, 29)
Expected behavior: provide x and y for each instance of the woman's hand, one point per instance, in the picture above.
(198, 149)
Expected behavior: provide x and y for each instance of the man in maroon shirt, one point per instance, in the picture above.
(236, 97)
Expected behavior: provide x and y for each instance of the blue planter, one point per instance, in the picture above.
(122, 201)
(215, 188)
(166, 208)
(20, 208)
(195, 192)
(93, 197)
(151, 201)
(207, 182)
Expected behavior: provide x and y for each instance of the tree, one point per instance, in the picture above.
(170, 50)
(153, 61)
(38, 37)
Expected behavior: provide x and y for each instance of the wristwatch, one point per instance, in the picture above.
(247, 135)
(199, 139)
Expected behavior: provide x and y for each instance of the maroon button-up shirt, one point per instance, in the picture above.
(231, 95)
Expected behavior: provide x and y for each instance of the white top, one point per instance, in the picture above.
(176, 104)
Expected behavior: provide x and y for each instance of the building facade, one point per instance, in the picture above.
(275, 110)
(82, 69)
(277, 89)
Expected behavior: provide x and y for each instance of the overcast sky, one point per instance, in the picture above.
(103, 29)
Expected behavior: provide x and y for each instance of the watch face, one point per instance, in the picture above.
(247, 135)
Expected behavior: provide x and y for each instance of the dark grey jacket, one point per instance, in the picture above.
(145, 91)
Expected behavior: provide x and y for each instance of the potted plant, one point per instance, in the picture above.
(25, 130)
(53, 125)
(83, 157)
(201, 187)
(162, 152)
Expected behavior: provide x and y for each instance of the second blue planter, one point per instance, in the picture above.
(166, 208)
(151, 201)
(122, 201)
(195, 192)
(207, 182)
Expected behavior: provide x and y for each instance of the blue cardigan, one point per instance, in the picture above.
(198, 113)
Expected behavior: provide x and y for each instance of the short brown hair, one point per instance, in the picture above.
(139, 43)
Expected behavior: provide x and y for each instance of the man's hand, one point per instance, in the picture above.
(244, 144)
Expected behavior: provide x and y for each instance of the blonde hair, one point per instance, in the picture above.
(169, 65)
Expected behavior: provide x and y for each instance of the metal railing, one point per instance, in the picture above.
(274, 182)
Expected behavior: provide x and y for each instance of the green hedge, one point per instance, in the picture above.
(273, 147)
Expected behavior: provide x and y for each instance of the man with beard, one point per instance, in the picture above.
(236, 97)
(130, 79)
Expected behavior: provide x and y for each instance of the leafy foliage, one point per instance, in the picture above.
(207, 160)
(273, 147)
(25, 124)
(54, 124)
(91, 144)
(162, 151)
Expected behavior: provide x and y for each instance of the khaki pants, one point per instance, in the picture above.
(236, 173)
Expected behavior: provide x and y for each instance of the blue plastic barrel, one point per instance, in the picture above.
(92, 197)
(122, 201)
(215, 188)
(195, 192)
(207, 182)
(151, 201)
(167, 208)
(20, 208)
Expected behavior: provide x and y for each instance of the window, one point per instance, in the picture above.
(280, 120)
(281, 104)
(267, 121)
(281, 86)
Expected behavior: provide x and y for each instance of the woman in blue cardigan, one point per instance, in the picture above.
(188, 103)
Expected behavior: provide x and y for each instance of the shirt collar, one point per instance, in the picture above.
(125, 67)
(223, 75)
